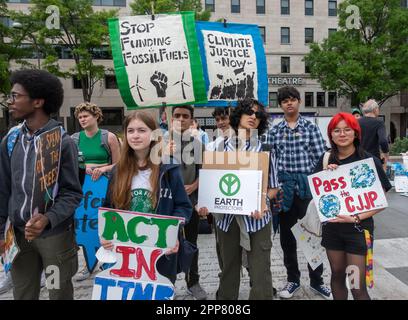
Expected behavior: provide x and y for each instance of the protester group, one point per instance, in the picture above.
(137, 183)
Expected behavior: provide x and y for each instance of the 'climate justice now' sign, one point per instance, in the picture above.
(157, 61)
(140, 240)
(350, 189)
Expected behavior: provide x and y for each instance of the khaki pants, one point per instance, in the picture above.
(259, 261)
(56, 254)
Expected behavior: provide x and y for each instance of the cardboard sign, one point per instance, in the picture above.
(234, 62)
(239, 160)
(47, 162)
(157, 61)
(86, 218)
(230, 191)
(310, 245)
(11, 249)
(139, 241)
(350, 189)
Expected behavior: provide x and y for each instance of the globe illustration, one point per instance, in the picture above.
(329, 206)
(362, 176)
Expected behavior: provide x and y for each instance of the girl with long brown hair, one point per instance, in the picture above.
(140, 182)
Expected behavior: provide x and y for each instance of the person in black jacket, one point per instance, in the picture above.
(141, 184)
(373, 133)
(39, 199)
(344, 237)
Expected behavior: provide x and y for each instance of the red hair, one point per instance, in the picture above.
(351, 121)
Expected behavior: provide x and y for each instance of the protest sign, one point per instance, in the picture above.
(238, 160)
(47, 163)
(234, 63)
(157, 61)
(139, 240)
(11, 249)
(230, 191)
(86, 217)
(350, 189)
(310, 245)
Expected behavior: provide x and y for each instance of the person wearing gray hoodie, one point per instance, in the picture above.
(39, 188)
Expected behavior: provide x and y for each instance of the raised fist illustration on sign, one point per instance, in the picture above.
(159, 80)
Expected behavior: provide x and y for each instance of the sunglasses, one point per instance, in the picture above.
(250, 112)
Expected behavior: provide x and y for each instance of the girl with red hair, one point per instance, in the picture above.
(344, 237)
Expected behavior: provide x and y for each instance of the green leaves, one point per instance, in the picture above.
(368, 62)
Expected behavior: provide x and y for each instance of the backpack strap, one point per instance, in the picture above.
(105, 143)
(326, 160)
(12, 137)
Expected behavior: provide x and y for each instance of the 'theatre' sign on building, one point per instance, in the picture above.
(140, 240)
(350, 189)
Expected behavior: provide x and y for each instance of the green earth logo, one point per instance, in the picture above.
(229, 185)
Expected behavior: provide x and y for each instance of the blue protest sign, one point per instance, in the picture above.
(86, 218)
(234, 63)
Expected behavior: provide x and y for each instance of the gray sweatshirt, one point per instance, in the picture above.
(16, 183)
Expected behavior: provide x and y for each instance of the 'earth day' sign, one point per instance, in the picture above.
(140, 240)
(157, 61)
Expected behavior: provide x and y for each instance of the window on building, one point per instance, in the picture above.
(331, 31)
(308, 7)
(321, 99)
(210, 5)
(110, 82)
(110, 3)
(18, 1)
(273, 100)
(285, 64)
(332, 99)
(285, 35)
(101, 53)
(260, 6)
(112, 117)
(307, 67)
(332, 8)
(285, 7)
(263, 36)
(309, 103)
(404, 3)
(77, 83)
(6, 21)
(235, 6)
(309, 38)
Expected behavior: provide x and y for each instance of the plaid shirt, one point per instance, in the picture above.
(251, 224)
(297, 150)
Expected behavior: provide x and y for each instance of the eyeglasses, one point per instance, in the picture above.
(181, 115)
(14, 95)
(250, 112)
(346, 131)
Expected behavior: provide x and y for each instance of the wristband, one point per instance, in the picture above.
(356, 219)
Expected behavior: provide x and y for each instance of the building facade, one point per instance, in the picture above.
(287, 27)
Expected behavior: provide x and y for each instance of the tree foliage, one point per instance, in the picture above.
(369, 61)
(140, 7)
(82, 30)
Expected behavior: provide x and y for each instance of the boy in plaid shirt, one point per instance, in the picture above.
(298, 144)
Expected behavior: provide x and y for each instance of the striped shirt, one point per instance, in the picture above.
(251, 224)
(297, 150)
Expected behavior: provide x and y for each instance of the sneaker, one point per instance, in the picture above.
(82, 275)
(289, 290)
(6, 284)
(324, 291)
(197, 292)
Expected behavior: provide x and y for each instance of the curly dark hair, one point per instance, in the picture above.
(41, 84)
(244, 106)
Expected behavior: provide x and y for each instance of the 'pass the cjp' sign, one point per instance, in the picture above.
(230, 191)
(350, 189)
